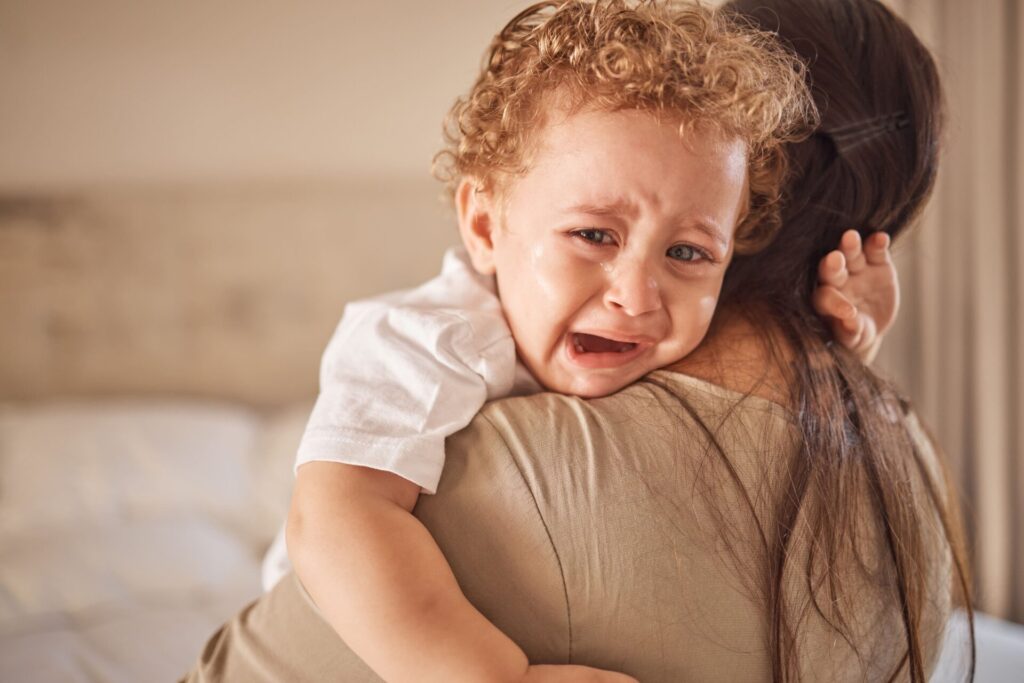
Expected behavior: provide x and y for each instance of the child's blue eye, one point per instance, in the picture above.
(594, 236)
(684, 252)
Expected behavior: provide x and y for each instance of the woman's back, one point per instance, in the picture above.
(611, 533)
(661, 541)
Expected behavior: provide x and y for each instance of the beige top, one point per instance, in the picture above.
(592, 532)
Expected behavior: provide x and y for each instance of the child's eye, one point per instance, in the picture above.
(684, 252)
(594, 236)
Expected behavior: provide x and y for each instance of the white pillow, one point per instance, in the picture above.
(107, 504)
(71, 463)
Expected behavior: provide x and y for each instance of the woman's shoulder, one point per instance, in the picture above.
(663, 397)
(744, 358)
(662, 428)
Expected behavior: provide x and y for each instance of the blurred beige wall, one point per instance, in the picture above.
(113, 91)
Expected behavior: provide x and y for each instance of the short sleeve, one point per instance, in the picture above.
(405, 371)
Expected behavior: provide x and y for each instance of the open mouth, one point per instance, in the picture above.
(593, 352)
(591, 343)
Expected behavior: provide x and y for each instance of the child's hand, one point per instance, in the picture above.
(858, 292)
(569, 673)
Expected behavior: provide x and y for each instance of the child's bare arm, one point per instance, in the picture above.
(858, 292)
(382, 583)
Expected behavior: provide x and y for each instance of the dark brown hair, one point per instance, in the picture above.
(870, 165)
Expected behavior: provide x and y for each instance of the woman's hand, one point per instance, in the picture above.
(570, 673)
(858, 292)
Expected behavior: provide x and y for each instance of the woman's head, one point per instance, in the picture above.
(870, 165)
(872, 161)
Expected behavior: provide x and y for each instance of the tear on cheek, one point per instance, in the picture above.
(707, 306)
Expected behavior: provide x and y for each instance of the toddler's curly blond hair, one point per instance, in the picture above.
(693, 63)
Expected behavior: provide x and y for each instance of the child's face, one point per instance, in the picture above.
(610, 251)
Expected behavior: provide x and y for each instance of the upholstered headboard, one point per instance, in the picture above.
(216, 291)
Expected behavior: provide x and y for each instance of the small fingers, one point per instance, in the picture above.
(830, 302)
(850, 245)
(849, 333)
(876, 249)
(832, 269)
(853, 324)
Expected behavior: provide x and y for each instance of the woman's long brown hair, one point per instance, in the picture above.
(870, 165)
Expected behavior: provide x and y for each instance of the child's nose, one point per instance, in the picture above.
(633, 288)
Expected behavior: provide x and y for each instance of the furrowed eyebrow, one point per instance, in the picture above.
(711, 231)
(622, 208)
(629, 210)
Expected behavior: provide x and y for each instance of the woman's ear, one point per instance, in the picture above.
(478, 219)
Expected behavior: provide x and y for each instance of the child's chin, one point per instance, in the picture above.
(593, 387)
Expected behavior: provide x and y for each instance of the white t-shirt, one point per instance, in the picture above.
(403, 372)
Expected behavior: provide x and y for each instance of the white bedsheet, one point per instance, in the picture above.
(129, 531)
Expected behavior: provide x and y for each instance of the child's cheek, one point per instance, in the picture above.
(691, 319)
(548, 268)
(701, 314)
(706, 308)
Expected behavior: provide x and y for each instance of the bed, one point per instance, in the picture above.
(130, 529)
(159, 360)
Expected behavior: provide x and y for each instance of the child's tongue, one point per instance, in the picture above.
(591, 343)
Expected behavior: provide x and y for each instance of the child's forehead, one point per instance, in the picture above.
(604, 163)
(586, 133)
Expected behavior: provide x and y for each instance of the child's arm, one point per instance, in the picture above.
(858, 292)
(382, 583)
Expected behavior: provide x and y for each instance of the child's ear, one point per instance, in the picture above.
(478, 219)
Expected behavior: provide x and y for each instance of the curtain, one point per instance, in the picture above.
(956, 347)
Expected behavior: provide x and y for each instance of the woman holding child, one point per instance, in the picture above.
(764, 507)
